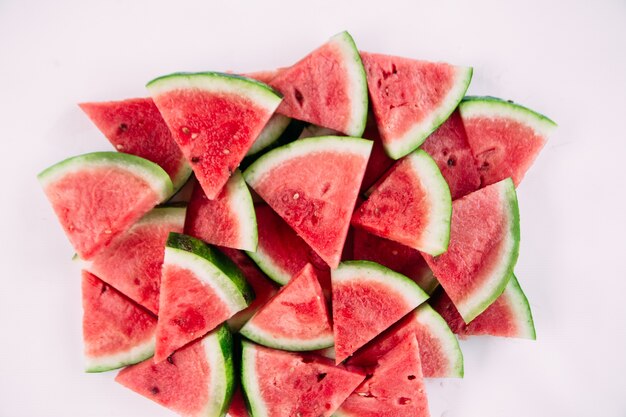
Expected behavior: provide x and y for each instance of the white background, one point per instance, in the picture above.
(566, 59)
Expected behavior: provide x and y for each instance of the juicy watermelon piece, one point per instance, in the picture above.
(508, 316)
(367, 299)
(505, 137)
(100, 195)
(214, 118)
(411, 98)
(295, 319)
(411, 205)
(379, 162)
(237, 406)
(327, 87)
(313, 185)
(449, 147)
(116, 331)
(227, 220)
(484, 245)
(196, 381)
(285, 384)
(200, 289)
(132, 262)
(396, 388)
(135, 126)
(275, 127)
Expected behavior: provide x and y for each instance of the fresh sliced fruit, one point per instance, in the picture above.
(135, 126)
(275, 127)
(132, 262)
(313, 185)
(367, 299)
(200, 289)
(285, 384)
(313, 131)
(100, 195)
(411, 98)
(237, 406)
(327, 87)
(379, 162)
(295, 319)
(484, 245)
(116, 331)
(214, 118)
(196, 381)
(411, 206)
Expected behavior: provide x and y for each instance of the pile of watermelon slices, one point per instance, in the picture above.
(308, 241)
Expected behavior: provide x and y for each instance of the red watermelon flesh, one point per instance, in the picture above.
(237, 406)
(379, 162)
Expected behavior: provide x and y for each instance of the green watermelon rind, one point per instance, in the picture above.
(218, 347)
(269, 267)
(258, 335)
(521, 309)
(132, 356)
(243, 208)
(275, 127)
(250, 386)
(181, 177)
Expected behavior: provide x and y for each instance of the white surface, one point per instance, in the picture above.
(565, 59)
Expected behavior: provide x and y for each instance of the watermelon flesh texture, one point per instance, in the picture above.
(116, 331)
(379, 162)
(237, 406)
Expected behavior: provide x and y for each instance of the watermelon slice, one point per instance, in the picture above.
(100, 195)
(196, 381)
(367, 299)
(508, 316)
(379, 162)
(327, 87)
(313, 185)
(295, 319)
(275, 127)
(285, 384)
(116, 331)
(237, 406)
(227, 220)
(484, 245)
(505, 137)
(200, 288)
(411, 205)
(135, 126)
(411, 98)
(214, 118)
(132, 262)
(396, 387)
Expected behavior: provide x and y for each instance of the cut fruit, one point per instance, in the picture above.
(484, 245)
(200, 288)
(327, 87)
(411, 98)
(275, 127)
(214, 118)
(411, 206)
(285, 384)
(295, 319)
(313, 185)
(379, 162)
(508, 316)
(135, 126)
(196, 381)
(313, 131)
(367, 299)
(116, 331)
(227, 220)
(237, 406)
(132, 262)
(100, 195)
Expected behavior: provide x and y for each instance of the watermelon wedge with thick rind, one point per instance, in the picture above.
(483, 250)
(313, 185)
(505, 137)
(367, 299)
(412, 98)
(196, 381)
(100, 195)
(286, 384)
(116, 331)
(214, 118)
(200, 289)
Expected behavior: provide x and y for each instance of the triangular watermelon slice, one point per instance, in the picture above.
(116, 331)
(411, 98)
(100, 195)
(285, 384)
(484, 245)
(295, 319)
(214, 118)
(327, 87)
(367, 299)
(200, 289)
(196, 381)
(313, 185)
(135, 126)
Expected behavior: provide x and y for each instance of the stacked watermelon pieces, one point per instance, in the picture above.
(306, 241)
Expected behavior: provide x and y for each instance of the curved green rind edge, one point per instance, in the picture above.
(270, 271)
(243, 199)
(291, 133)
(225, 344)
(358, 129)
(525, 320)
(140, 356)
(272, 131)
(249, 381)
(264, 339)
(507, 106)
(178, 210)
(181, 178)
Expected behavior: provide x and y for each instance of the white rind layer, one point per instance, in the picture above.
(242, 205)
(521, 309)
(249, 381)
(135, 355)
(274, 127)
(256, 334)
(269, 267)
(217, 388)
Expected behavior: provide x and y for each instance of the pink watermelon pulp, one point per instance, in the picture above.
(378, 162)
(237, 406)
